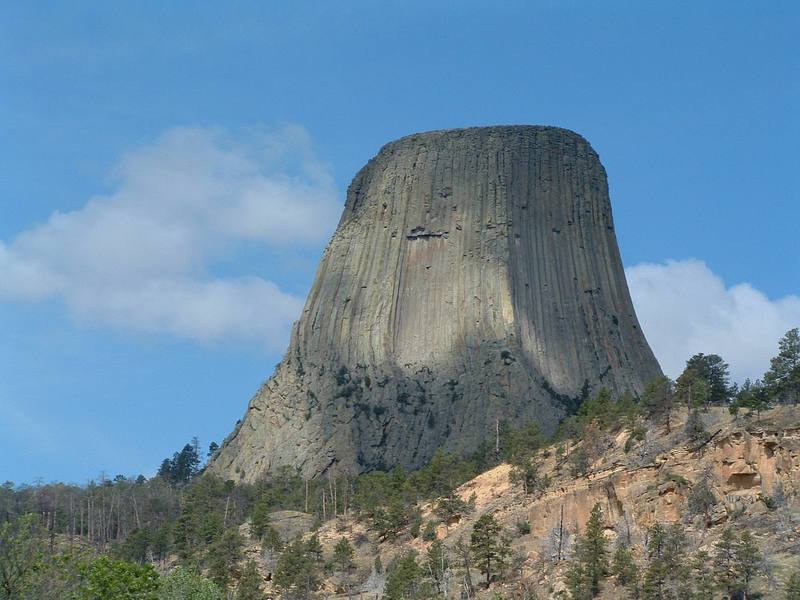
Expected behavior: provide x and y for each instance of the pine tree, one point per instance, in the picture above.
(223, 555)
(702, 577)
(725, 562)
(783, 377)
(437, 564)
(488, 547)
(297, 572)
(403, 578)
(343, 555)
(667, 573)
(624, 569)
(249, 583)
(713, 371)
(658, 400)
(590, 561)
(748, 561)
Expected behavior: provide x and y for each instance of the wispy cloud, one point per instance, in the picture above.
(143, 256)
(685, 308)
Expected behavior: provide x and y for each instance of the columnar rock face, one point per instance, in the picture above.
(474, 277)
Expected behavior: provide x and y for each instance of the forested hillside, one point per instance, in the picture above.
(690, 491)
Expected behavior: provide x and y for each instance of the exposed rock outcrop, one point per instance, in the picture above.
(474, 277)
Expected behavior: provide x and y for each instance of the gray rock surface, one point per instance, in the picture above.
(474, 276)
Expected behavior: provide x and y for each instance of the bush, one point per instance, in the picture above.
(523, 527)
(184, 583)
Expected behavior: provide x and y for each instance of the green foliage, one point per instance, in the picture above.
(404, 579)
(792, 591)
(736, 561)
(707, 381)
(523, 527)
(108, 579)
(701, 576)
(429, 533)
(525, 471)
(297, 570)
(694, 429)
(783, 378)
(724, 561)
(343, 555)
(451, 508)
(183, 583)
(666, 574)
(578, 462)
(518, 443)
(183, 466)
(623, 568)
(249, 583)
(752, 396)
(437, 563)
(489, 549)
(701, 497)
(589, 565)
(260, 518)
(21, 554)
(223, 555)
(658, 400)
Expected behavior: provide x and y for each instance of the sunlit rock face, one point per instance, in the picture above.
(474, 277)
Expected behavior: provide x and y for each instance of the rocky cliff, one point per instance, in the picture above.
(474, 277)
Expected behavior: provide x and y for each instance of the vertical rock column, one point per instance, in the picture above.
(474, 276)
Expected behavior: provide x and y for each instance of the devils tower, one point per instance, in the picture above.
(474, 277)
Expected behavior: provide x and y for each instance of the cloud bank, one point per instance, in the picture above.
(143, 256)
(685, 308)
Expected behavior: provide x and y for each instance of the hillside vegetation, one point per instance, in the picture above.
(691, 491)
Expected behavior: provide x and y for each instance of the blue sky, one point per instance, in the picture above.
(170, 173)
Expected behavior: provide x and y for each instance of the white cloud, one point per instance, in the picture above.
(685, 308)
(142, 257)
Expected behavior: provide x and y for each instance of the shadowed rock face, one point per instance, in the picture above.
(474, 276)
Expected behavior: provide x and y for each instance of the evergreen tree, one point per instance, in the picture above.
(748, 561)
(711, 369)
(702, 576)
(783, 377)
(314, 549)
(692, 390)
(525, 471)
(590, 561)
(212, 448)
(297, 572)
(725, 562)
(22, 547)
(260, 518)
(437, 563)
(624, 569)
(403, 578)
(488, 547)
(223, 555)
(667, 573)
(343, 555)
(658, 400)
(249, 583)
(753, 396)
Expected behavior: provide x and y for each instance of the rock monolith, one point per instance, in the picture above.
(474, 278)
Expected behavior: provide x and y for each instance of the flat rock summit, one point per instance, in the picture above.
(474, 277)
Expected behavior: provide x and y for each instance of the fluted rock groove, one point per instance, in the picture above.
(474, 276)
